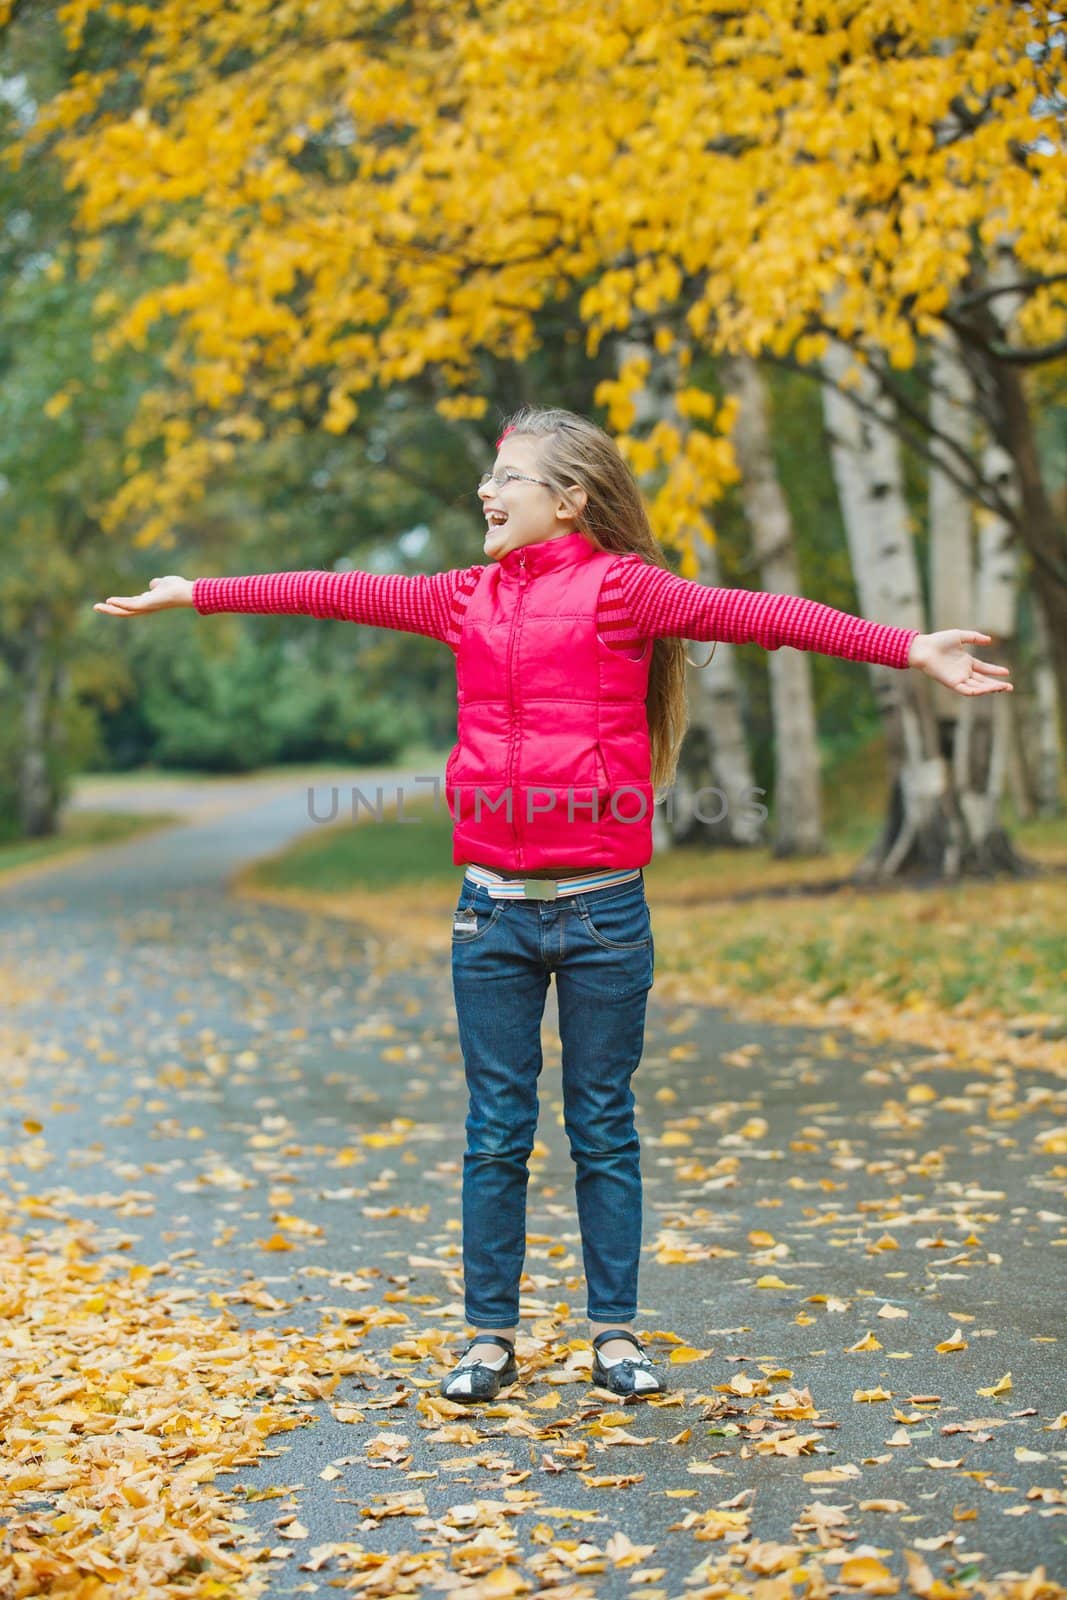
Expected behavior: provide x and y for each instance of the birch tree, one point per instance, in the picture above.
(923, 826)
(797, 808)
(709, 801)
(974, 737)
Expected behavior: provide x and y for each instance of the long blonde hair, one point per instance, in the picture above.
(572, 450)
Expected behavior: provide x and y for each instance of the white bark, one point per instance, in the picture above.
(986, 730)
(950, 511)
(797, 800)
(1033, 730)
(983, 728)
(923, 827)
(948, 762)
(975, 735)
(997, 588)
(715, 770)
(714, 760)
(1048, 753)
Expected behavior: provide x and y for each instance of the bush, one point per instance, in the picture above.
(235, 700)
(212, 714)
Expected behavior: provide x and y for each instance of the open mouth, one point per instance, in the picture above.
(496, 519)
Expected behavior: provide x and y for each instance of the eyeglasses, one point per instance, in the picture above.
(509, 475)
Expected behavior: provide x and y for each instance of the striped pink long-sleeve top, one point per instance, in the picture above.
(638, 601)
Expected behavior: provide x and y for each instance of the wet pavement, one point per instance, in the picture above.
(200, 1065)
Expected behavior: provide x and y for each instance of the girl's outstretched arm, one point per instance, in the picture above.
(659, 604)
(430, 605)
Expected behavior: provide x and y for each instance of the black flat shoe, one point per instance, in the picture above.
(628, 1376)
(469, 1382)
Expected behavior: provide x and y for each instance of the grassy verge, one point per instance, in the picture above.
(81, 830)
(966, 966)
(418, 757)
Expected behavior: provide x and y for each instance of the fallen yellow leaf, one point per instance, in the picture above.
(868, 1342)
(867, 1572)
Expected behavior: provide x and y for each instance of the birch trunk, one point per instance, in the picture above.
(1007, 411)
(715, 772)
(923, 829)
(975, 735)
(1037, 780)
(797, 799)
(1036, 760)
(38, 802)
(715, 776)
(1048, 748)
(984, 728)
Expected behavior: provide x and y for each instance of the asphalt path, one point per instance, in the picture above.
(164, 1030)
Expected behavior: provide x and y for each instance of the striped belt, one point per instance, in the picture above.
(501, 888)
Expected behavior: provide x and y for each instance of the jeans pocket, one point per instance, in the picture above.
(619, 922)
(471, 921)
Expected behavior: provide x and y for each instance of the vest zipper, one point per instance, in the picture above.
(510, 775)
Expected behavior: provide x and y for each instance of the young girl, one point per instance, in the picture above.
(571, 683)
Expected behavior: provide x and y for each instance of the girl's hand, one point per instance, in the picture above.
(162, 594)
(942, 657)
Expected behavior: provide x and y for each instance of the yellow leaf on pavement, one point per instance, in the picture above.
(869, 1574)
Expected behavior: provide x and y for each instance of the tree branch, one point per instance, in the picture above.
(1036, 356)
(976, 488)
(981, 296)
(969, 477)
(1010, 355)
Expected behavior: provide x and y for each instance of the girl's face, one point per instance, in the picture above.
(518, 511)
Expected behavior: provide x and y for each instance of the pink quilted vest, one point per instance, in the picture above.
(551, 769)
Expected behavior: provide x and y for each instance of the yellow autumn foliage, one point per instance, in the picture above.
(351, 194)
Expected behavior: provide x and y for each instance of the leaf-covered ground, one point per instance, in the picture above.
(229, 1222)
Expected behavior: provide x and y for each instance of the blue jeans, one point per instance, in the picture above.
(599, 945)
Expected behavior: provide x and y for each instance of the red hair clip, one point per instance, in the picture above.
(503, 436)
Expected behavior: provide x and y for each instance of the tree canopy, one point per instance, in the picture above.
(350, 195)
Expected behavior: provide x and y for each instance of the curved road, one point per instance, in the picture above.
(164, 1032)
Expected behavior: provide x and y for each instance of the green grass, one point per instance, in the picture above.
(419, 758)
(373, 854)
(81, 830)
(997, 946)
(369, 853)
(1011, 960)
